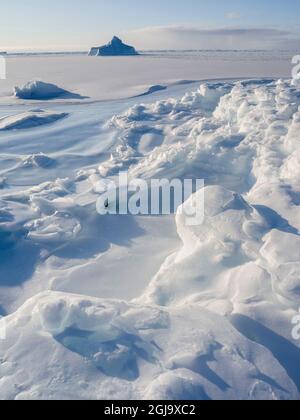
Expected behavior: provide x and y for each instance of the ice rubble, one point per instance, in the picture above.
(215, 322)
(38, 90)
(141, 120)
(30, 119)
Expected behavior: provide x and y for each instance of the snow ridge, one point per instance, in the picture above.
(30, 119)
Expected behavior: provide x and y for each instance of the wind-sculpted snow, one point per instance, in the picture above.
(215, 321)
(229, 238)
(112, 349)
(30, 119)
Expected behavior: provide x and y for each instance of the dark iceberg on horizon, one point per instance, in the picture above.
(115, 48)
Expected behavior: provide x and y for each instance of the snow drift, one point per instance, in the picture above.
(30, 119)
(37, 90)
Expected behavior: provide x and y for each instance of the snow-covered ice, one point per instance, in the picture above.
(147, 307)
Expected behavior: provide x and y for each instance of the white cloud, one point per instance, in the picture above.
(233, 15)
(185, 37)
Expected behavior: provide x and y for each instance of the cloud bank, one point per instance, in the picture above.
(184, 37)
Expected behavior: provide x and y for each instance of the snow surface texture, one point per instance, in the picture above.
(114, 48)
(215, 321)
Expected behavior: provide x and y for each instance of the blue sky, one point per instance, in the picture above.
(79, 24)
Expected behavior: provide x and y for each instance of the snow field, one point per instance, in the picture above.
(215, 320)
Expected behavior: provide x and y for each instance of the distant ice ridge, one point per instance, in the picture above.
(30, 119)
(114, 48)
(215, 321)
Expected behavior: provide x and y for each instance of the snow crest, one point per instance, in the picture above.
(30, 119)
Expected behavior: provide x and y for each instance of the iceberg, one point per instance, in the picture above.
(114, 48)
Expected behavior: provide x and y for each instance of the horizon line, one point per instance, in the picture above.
(79, 51)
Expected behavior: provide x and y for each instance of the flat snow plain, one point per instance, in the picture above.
(123, 307)
(98, 78)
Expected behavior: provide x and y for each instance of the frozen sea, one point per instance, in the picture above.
(147, 307)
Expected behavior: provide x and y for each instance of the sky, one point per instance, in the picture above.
(157, 24)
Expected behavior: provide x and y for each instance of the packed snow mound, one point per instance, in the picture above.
(116, 350)
(30, 119)
(37, 90)
(114, 48)
(229, 236)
